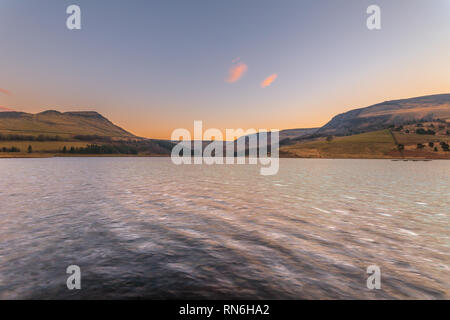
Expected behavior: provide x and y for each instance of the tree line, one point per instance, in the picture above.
(12, 149)
(20, 137)
(101, 149)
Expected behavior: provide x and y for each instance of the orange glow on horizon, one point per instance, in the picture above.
(4, 91)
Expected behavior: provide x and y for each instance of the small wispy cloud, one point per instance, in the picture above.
(236, 71)
(4, 91)
(2, 109)
(268, 81)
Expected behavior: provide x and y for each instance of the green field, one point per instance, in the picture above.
(377, 144)
(413, 138)
(370, 145)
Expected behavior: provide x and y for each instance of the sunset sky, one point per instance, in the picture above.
(154, 66)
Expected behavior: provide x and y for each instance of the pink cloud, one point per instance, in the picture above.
(4, 91)
(236, 72)
(268, 81)
(4, 109)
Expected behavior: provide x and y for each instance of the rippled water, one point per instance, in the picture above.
(144, 228)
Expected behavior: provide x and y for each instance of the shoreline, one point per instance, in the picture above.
(50, 155)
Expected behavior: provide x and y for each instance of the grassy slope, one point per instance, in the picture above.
(62, 124)
(382, 115)
(376, 145)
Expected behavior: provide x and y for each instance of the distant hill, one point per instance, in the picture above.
(67, 124)
(383, 115)
(296, 133)
(285, 136)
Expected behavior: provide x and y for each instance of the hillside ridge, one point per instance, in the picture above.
(65, 124)
(382, 115)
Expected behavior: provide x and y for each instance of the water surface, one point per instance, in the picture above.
(145, 228)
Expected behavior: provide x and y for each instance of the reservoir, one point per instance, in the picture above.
(145, 228)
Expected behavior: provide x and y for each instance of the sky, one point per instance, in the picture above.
(154, 66)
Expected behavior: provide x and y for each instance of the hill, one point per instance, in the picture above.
(51, 133)
(64, 125)
(407, 128)
(411, 128)
(296, 133)
(285, 137)
(389, 113)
